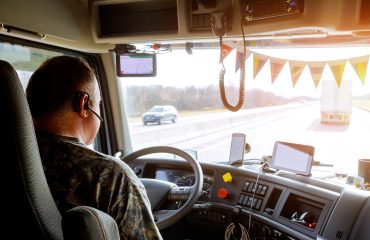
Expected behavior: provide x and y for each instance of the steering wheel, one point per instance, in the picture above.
(158, 191)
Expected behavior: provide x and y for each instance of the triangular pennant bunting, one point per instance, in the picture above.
(238, 60)
(296, 68)
(337, 68)
(276, 65)
(360, 66)
(225, 50)
(259, 61)
(316, 69)
(240, 48)
(239, 54)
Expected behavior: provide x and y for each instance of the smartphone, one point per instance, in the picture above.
(237, 148)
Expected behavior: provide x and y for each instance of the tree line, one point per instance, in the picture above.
(139, 99)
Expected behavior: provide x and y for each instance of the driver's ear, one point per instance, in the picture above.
(81, 104)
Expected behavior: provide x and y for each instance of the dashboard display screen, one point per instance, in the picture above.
(296, 158)
(179, 177)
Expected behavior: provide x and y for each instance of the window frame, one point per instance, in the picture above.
(105, 140)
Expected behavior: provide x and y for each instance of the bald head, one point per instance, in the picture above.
(55, 99)
(54, 84)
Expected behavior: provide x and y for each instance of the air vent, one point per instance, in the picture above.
(200, 21)
(339, 234)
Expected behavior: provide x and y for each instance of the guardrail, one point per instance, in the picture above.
(192, 127)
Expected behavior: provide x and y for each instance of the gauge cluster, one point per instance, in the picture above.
(182, 177)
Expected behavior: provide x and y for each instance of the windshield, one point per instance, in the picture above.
(156, 109)
(317, 96)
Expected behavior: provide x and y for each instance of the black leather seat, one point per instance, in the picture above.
(29, 211)
(85, 222)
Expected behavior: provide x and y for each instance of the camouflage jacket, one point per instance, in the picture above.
(78, 175)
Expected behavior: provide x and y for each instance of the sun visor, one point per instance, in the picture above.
(60, 19)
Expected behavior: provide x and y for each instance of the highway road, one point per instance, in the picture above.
(341, 145)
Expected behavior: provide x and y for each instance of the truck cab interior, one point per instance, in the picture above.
(272, 100)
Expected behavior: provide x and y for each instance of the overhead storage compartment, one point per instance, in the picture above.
(133, 21)
(137, 18)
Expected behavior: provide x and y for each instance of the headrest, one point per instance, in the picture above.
(85, 222)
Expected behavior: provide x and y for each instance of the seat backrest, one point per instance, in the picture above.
(29, 208)
(30, 211)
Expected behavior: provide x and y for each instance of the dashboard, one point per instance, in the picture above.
(269, 205)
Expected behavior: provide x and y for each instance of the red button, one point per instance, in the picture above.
(223, 193)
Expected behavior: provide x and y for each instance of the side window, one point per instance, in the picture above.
(26, 60)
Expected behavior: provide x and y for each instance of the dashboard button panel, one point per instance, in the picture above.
(259, 189)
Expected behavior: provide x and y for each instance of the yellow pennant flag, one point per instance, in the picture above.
(360, 66)
(296, 68)
(275, 66)
(337, 68)
(259, 61)
(316, 70)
